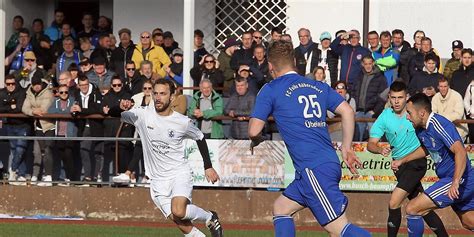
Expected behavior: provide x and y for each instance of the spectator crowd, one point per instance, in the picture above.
(61, 70)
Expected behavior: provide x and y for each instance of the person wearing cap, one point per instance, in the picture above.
(175, 70)
(386, 58)
(328, 59)
(70, 55)
(146, 50)
(243, 56)
(199, 50)
(455, 61)
(169, 44)
(123, 52)
(85, 66)
(253, 76)
(11, 101)
(24, 75)
(230, 45)
(100, 76)
(15, 59)
(38, 100)
(351, 56)
(307, 54)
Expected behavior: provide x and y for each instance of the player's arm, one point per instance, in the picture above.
(373, 146)
(348, 123)
(419, 153)
(211, 174)
(262, 109)
(459, 166)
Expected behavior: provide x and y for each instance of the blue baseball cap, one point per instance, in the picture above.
(325, 35)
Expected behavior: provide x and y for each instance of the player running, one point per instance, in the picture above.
(162, 132)
(299, 107)
(399, 132)
(455, 187)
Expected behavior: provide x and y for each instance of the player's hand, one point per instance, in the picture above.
(385, 151)
(211, 175)
(453, 192)
(255, 142)
(351, 160)
(396, 165)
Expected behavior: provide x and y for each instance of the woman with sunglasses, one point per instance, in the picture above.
(335, 129)
(140, 100)
(64, 128)
(111, 125)
(208, 68)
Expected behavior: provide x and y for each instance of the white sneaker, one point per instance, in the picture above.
(12, 176)
(145, 182)
(66, 183)
(46, 182)
(34, 180)
(121, 178)
(132, 183)
(21, 181)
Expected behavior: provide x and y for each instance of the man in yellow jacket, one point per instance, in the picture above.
(146, 50)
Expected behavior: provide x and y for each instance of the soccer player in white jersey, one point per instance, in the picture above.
(162, 132)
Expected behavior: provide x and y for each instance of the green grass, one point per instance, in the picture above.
(73, 230)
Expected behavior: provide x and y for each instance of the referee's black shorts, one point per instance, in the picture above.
(409, 176)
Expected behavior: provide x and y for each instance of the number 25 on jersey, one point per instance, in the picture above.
(311, 106)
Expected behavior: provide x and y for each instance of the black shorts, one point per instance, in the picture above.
(409, 176)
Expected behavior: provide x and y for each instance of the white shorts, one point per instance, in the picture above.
(162, 191)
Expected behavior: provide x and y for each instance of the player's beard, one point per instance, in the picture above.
(164, 106)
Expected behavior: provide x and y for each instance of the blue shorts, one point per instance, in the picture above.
(438, 194)
(318, 189)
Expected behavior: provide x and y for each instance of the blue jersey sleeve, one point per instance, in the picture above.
(446, 131)
(334, 99)
(378, 128)
(263, 104)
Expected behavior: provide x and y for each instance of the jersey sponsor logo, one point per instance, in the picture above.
(296, 86)
(161, 147)
(311, 124)
(170, 133)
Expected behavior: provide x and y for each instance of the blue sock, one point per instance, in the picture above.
(351, 230)
(415, 226)
(284, 226)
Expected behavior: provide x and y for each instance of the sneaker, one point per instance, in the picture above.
(214, 226)
(86, 182)
(20, 181)
(12, 176)
(132, 183)
(66, 183)
(121, 178)
(34, 180)
(46, 182)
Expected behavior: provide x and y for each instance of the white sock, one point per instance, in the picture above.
(195, 232)
(195, 213)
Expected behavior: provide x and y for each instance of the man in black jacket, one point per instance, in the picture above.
(125, 149)
(122, 53)
(133, 81)
(11, 101)
(89, 101)
(103, 50)
(307, 53)
(406, 54)
(244, 55)
(366, 91)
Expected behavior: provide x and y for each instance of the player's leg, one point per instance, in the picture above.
(467, 219)
(327, 202)
(283, 209)
(394, 211)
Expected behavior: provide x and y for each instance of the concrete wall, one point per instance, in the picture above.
(233, 206)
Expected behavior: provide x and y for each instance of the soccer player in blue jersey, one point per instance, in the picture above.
(442, 142)
(399, 132)
(299, 106)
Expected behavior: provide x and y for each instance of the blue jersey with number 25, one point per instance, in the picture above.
(299, 105)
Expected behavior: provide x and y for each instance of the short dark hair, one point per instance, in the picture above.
(130, 62)
(385, 34)
(334, 85)
(82, 77)
(369, 56)
(418, 31)
(247, 33)
(38, 20)
(431, 56)
(276, 29)
(163, 81)
(239, 78)
(24, 31)
(58, 10)
(373, 32)
(398, 86)
(398, 32)
(87, 14)
(10, 77)
(260, 46)
(20, 18)
(426, 39)
(281, 53)
(103, 35)
(466, 50)
(199, 33)
(73, 67)
(421, 100)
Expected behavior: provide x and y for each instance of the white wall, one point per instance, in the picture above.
(29, 10)
(441, 20)
(323, 15)
(145, 15)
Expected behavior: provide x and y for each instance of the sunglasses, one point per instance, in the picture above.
(212, 61)
(29, 60)
(145, 36)
(147, 88)
(131, 69)
(10, 84)
(116, 85)
(255, 37)
(63, 92)
(340, 87)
